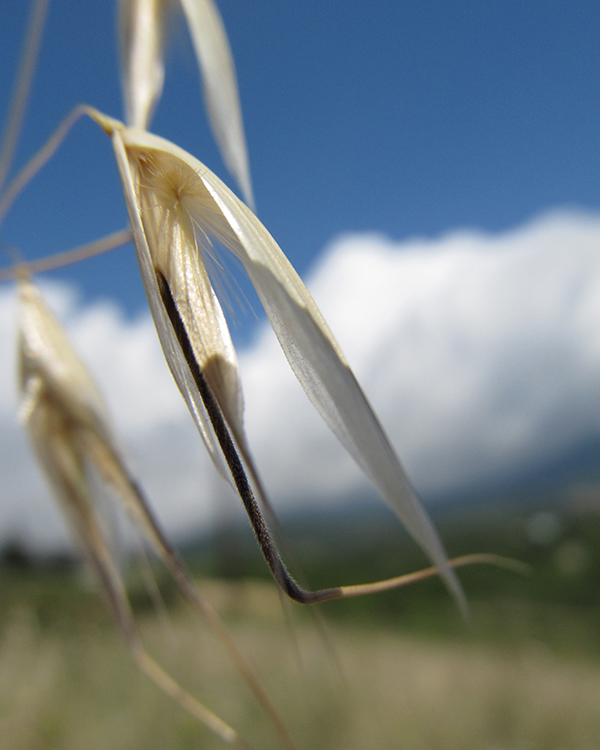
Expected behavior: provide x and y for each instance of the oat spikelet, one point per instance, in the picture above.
(177, 207)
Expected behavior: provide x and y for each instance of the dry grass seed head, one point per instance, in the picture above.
(306, 340)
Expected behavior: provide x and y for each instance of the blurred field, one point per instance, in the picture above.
(67, 682)
(395, 671)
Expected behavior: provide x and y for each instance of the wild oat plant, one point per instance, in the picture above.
(179, 213)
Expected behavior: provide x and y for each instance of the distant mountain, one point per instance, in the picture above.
(572, 478)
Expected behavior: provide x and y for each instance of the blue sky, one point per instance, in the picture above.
(431, 168)
(404, 118)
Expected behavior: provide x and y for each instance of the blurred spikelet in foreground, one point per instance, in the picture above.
(68, 426)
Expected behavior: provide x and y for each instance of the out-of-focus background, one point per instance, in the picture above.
(432, 171)
(396, 670)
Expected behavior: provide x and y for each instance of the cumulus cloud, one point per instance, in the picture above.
(481, 354)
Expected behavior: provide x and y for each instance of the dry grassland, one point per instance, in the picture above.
(373, 688)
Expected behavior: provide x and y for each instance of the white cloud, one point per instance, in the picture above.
(480, 353)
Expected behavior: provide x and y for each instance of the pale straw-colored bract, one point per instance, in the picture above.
(142, 29)
(177, 207)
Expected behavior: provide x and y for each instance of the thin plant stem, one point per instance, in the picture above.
(215, 622)
(58, 260)
(20, 95)
(458, 562)
(166, 683)
(39, 160)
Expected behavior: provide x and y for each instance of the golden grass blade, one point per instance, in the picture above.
(141, 30)
(68, 425)
(220, 88)
(23, 86)
(167, 188)
(208, 383)
(47, 360)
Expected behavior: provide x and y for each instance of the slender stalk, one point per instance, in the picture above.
(205, 607)
(166, 683)
(458, 562)
(138, 509)
(26, 69)
(58, 260)
(39, 160)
